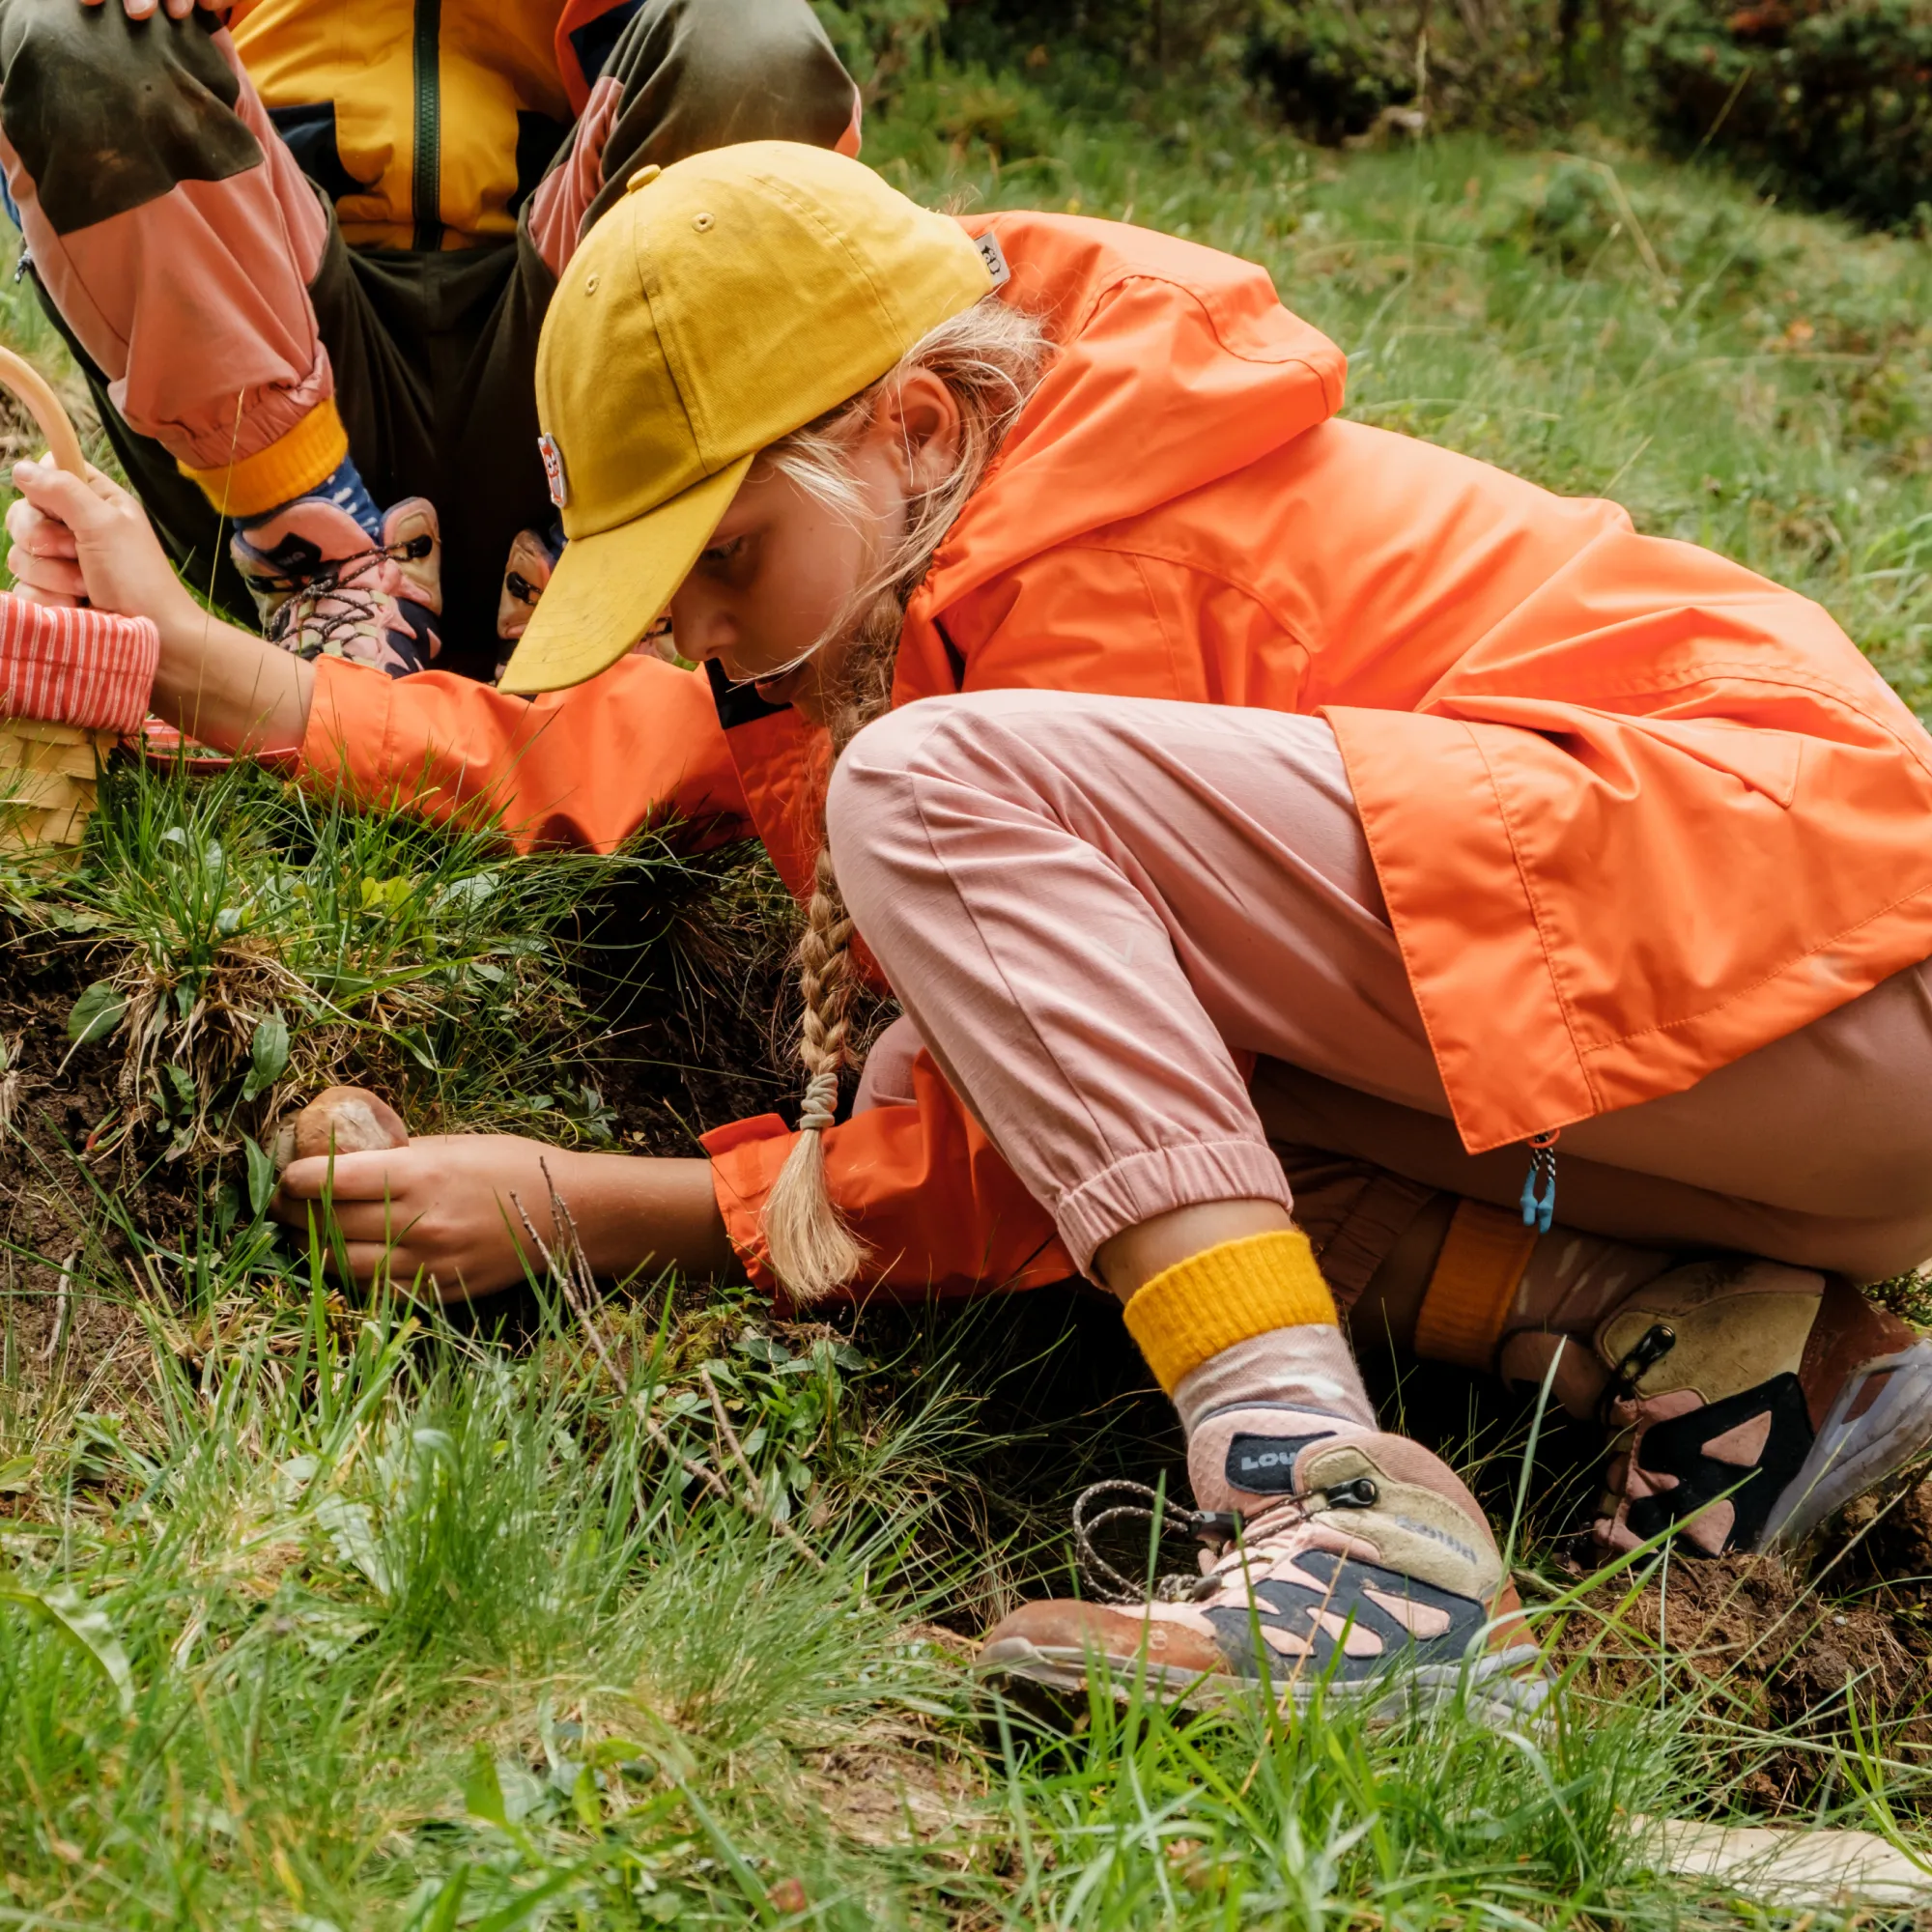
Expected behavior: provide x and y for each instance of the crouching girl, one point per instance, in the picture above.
(1278, 834)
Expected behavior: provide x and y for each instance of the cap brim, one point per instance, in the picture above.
(609, 589)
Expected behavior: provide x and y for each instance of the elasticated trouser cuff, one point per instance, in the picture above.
(1468, 1296)
(290, 466)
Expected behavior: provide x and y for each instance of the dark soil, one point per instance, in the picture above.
(54, 1173)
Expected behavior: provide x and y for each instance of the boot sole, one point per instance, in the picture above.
(1502, 1689)
(1851, 1456)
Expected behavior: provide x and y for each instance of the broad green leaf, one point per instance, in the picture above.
(99, 1011)
(440, 1916)
(83, 1625)
(268, 1056)
(352, 1531)
(508, 1918)
(261, 1178)
(483, 1791)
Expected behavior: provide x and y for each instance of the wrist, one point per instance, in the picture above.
(635, 1213)
(185, 626)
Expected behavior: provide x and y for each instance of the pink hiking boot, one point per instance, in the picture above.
(324, 589)
(1747, 1400)
(534, 556)
(1349, 1564)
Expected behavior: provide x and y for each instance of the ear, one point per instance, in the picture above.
(920, 420)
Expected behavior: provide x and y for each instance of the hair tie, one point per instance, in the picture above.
(821, 1103)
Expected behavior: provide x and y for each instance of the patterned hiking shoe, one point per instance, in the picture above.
(1747, 1400)
(324, 590)
(1355, 1566)
(534, 556)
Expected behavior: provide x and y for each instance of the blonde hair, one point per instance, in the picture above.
(991, 358)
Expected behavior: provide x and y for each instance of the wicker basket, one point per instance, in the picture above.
(48, 774)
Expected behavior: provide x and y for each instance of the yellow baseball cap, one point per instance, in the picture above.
(724, 302)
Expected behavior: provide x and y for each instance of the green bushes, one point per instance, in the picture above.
(1365, 72)
(1829, 105)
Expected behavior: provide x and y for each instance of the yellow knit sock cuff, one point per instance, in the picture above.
(1223, 1295)
(1468, 1296)
(290, 466)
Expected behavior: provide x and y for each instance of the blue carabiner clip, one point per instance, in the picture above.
(1539, 1184)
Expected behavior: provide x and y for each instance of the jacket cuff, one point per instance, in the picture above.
(299, 460)
(346, 742)
(746, 1157)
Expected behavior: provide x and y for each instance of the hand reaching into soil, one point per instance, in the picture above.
(92, 539)
(444, 1209)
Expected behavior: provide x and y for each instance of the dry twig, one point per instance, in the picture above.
(573, 1275)
(63, 1308)
(725, 1433)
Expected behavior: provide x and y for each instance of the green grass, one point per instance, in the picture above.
(315, 1616)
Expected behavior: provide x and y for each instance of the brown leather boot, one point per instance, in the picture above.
(1351, 1565)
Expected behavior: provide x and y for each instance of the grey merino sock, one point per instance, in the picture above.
(1308, 1367)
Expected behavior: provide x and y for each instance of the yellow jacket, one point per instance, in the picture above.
(428, 120)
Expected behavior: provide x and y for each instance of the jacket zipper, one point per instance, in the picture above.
(426, 182)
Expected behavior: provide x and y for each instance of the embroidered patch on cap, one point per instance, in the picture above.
(994, 257)
(552, 463)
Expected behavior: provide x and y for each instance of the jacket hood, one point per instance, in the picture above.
(1177, 366)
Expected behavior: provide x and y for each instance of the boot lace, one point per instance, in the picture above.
(1218, 1531)
(1214, 1531)
(301, 613)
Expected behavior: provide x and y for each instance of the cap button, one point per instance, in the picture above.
(643, 177)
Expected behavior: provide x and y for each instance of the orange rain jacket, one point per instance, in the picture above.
(1636, 810)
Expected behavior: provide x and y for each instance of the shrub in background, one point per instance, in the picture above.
(1354, 72)
(1826, 101)
(880, 40)
(1829, 105)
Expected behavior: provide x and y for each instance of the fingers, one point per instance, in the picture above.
(46, 580)
(385, 1175)
(370, 1264)
(43, 557)
(361, 1220)
(38, 533)
(80, 506)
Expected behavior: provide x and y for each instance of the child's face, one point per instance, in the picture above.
(779, 567)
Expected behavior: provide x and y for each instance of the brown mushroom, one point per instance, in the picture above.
(340, 1120)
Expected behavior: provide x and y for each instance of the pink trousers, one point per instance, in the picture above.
(1100, 912)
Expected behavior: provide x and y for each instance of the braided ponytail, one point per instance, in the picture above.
(812, 1251)
(992, 358)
